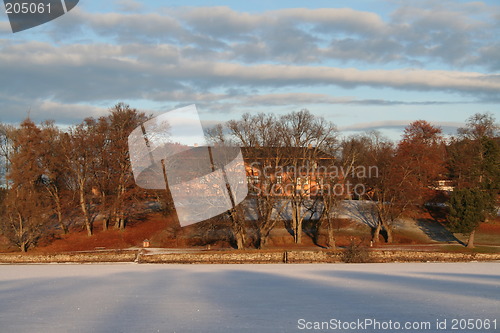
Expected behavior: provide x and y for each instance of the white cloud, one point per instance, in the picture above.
(343, 19)
(40, 110)
(446, 34)
(96, 72)
(129, 5)
(67, 112)
(213, 55)
(220, 22)
(5, 27)
(306, 99)
(214, 27)
(282, 75)
(294, 99)
(399, 125)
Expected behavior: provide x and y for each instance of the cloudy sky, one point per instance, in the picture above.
(368, 65)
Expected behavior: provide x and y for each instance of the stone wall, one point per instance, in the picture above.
(243, 257)
(76, 257)
(215, 257)
(412, 256)
(295, 257)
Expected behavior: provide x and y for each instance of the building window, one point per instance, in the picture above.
(303, 180)
(253, 179)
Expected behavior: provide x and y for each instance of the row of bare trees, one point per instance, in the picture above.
(294, 141)
(410, 171)
(56, 177)
(395, 178)
(300, 171)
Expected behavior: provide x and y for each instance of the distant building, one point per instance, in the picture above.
(284, 170)
(445, 185)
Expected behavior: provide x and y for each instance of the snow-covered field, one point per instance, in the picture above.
(245, 298)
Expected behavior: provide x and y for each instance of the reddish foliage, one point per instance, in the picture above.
(133, 235)
(490, 228)
(421, 156)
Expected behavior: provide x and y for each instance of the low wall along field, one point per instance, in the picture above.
(243, 257)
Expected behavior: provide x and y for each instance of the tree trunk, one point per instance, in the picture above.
(330, 241)
(383, 223)
(241, 235)
(63, 226)
(294, 229)
(240, 240)
(83, 206)
(20, 233)
(59, 216)
(297, 222)
(294, 223)
(299, 231)
(118, 217)
(376, 233)
(264, 236)
(265, 225)
(118, 209)
(122, 223)
(169, 201)
(390, 237)
(238, 228)
(89, 226)
(262, 241)
(389, 232)
(470, 242)
(116, 220)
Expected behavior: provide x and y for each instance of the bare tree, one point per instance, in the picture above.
(381, 186)
(406, 174)
(282, 154)
(113, 178)
(304, 136)
(332, 190)
(7, 133)
(26, 218)
(81, 153)
(472, 160)
(480, 125)
(263, 151)
(266, 190)
(55, 172)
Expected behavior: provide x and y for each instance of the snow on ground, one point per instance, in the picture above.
(242, 298)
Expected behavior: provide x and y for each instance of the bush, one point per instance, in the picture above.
(356, 253)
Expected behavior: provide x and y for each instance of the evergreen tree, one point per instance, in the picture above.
(468, 208)
(474, 165)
